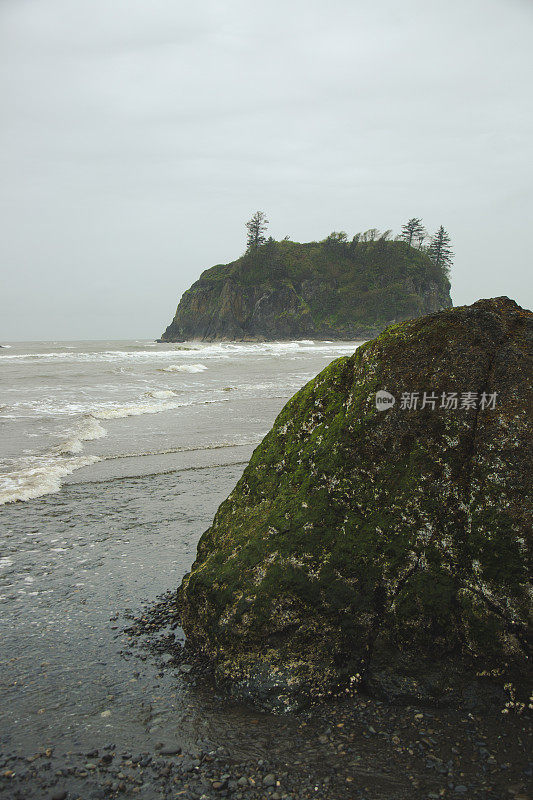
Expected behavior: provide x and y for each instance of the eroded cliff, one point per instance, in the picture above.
(321, 290)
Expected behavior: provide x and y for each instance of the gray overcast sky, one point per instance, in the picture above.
(138, 137)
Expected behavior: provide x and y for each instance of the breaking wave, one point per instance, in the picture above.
(214, 350)
(160, 394)
(184, 368)
(245, 442)
(118, 412)
(86, 431)
(65, 396)
(41, 476)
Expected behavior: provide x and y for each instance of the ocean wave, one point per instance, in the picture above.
(173, 450)
(41, 476)
(150, 402)
(118, 412)
(160, 394)
(128, 354)
(218, 350)
(242, 350)
(37, 355)
(184, 368)
(88, 430)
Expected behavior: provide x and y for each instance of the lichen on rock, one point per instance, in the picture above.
(388, 549)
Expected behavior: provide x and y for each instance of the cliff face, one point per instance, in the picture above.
(324, 290)
(385, 546)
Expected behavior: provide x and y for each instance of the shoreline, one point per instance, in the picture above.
(89, 713)
(354, 748)
(350, 748)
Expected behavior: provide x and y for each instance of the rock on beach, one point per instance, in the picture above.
(385, 548)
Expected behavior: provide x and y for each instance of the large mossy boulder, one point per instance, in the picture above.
(382, 548)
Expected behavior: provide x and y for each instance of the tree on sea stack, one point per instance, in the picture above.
(334, 288)
(256, 226)
(420, 238)
(440, 251)
(413, 231)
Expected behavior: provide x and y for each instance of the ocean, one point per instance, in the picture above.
(65, 407)
(114, 457)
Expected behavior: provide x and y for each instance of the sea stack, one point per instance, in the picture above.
(384, 547)
(332, 289)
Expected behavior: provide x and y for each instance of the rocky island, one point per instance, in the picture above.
(333, 289)
(384, 548)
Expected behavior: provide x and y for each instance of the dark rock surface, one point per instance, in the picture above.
(385, 549)
(320, 290)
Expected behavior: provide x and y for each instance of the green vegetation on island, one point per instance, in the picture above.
(337, 288)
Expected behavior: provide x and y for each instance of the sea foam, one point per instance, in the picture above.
(41, 476)
(117, 412)
(160, 394)
(184, 368)
(86, 431)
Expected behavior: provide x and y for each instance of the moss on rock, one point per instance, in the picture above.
(384, 547)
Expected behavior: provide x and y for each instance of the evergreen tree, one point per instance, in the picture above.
(440, 251)
(413, 231)
(337, 237)
(256, 230)
(370, 235)
(420, 238)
